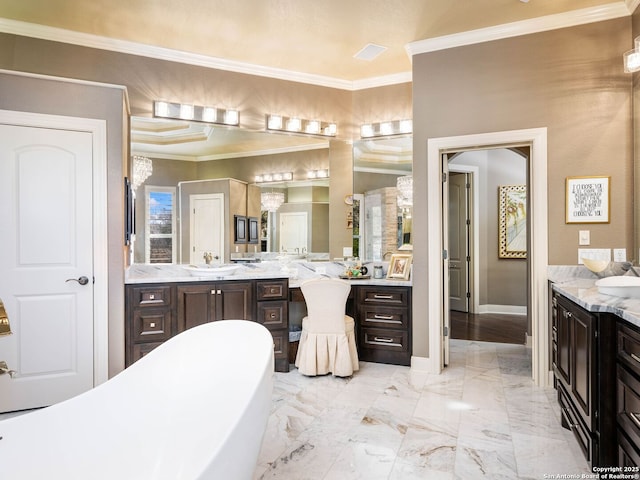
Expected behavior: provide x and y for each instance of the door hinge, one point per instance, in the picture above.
(444, 177)
(468, 258)
(468, 186)
(445, 254)
(468, 221)
(468, 294)
(446, 331)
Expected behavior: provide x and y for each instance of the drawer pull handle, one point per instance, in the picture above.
(152, 325)
(385, 340)
(635, 357)
(273, 315)
(383, 297)
(152, 297)
(634, 417)
(383, 317)
(567, 314)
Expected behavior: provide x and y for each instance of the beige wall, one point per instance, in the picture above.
(571, 82)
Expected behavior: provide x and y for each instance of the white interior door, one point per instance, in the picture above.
(293, 232)
(207, 227)
(458, 242)
(46, 264)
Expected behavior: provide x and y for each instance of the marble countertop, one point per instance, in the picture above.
(295, 271)
(579, 286)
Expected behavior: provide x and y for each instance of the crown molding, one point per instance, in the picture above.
(54, 34)
(524, 27)
(632, 5)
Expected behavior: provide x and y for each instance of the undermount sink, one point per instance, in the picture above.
(621, 286)
(211, 270)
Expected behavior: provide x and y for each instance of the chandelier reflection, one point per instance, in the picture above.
(271, 201)
(142, 169)
(405, 190)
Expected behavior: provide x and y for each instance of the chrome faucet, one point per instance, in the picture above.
(208, 256)
(387, 253)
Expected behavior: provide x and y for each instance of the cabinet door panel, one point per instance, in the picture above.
(235, 301)
(564, 344)
(582, 363)
(195, 305)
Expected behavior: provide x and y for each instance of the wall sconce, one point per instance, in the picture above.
(274, 177)
(383, 129)
(631, 58)
(322, 173)
(300, 125)
(196, 113)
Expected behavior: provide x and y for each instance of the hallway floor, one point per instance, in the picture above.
(489, 327)
(481, 418)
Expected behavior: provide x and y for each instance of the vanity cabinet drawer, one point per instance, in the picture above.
(150, 296)
(628, 456)
(141, 349)
(629, 348)
(385, 339)
(628, 404)
(272, 290)
(152, 325)
(272, 314)
(571, 420)
(384, 317)
(396, 296)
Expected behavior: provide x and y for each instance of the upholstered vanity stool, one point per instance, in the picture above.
(327, 343)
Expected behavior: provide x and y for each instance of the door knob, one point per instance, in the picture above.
(82, 280)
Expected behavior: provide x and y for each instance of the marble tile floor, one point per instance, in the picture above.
(481, 418)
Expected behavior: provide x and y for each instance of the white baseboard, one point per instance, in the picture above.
(508, 309)
(421, 364)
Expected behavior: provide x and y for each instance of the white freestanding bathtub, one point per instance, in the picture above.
(194, 408)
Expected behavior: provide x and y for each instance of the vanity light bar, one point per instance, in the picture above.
(274, 177)
(322, 173)
(182, 111)
(300, 125)
(383, 129)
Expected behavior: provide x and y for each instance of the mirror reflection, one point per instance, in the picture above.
(383, 197)
(203, 178)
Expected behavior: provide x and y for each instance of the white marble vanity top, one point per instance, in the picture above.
(295, 271)
(579, 286)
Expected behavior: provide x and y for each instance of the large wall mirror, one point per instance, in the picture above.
(195, 166)
(383, 197)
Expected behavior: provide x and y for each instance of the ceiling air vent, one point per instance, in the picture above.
(369, 52)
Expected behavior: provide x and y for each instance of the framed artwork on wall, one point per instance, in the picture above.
(512, 221)
(240, 229)
(588, 199)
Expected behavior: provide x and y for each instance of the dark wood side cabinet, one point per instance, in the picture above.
(383, 323)
(156, 312)
(583, 348)
(628, 394)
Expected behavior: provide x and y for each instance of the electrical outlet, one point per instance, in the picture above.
(619, 254)
(584, 237)
(594, 254)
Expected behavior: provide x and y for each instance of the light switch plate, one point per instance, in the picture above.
(584, 237)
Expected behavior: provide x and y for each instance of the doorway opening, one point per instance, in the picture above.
(537, 253)
(487, 245)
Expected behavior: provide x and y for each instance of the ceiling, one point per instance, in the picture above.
(314, 41)
(301, 40)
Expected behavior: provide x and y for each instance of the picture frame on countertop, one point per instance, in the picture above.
(400, 266)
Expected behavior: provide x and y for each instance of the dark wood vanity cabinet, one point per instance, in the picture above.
(207, 302)
(583, 346)
(628, 394)
(156, 312)
(383, 322)
(272, 311)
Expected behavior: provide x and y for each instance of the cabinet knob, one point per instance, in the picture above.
(273, 315)
(152, 325)
(152, 297)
